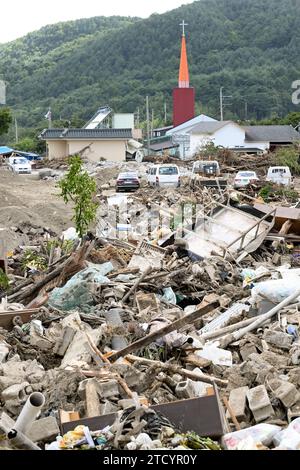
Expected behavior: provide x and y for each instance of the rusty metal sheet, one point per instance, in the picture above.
(203, 415)
(6, 318)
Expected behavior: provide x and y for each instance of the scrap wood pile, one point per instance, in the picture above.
(105, 326)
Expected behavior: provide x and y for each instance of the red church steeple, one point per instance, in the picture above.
(184, 95)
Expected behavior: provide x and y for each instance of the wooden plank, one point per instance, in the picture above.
(177, 325)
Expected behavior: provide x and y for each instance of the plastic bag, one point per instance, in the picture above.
(76, 292)
(217, 355)
(276, 290)
(169, 295)
(289, 438)
(259, 434)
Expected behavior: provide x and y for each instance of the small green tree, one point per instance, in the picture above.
(289, 156)
(27, 144)
(80, 188)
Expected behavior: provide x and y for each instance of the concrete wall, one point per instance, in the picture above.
(56, 149)
(111, 150)
(258, 145)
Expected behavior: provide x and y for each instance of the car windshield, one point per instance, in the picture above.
(20, 161)
(170, 170)
(246, 174)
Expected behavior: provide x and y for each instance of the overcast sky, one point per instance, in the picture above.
(19, 17)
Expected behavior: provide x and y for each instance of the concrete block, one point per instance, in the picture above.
(45, 429)
(287, 394)
(72, 321)
(39, 341)
(15, 392)
(246, 350)
(64, 342)
(134, 378)
(278, 339)
(185, 389)
(108, 389)
(79, 351)
(238, 402)
(259, 403)
(113, 317)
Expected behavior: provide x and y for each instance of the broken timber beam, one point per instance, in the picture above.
(167, 367)
(136, 284)
(177, 325)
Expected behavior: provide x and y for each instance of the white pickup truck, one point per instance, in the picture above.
(19, 165)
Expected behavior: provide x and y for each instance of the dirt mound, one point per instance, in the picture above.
(12, 216)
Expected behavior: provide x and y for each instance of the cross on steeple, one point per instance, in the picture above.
(183, 24)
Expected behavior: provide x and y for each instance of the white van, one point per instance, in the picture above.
(19, 165)
(280, 175)
(164, 175)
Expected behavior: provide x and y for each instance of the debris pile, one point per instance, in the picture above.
(153, 340)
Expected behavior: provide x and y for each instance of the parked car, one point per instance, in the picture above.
(127, 181)
(280, 175)
(244, 178)
(32, 157)
(19, 165)
(164, 175)
(206, 168)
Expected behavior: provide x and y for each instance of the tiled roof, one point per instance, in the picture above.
(271, 134)
(65, 134)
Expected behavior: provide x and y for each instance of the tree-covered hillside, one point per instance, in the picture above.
(250, 47)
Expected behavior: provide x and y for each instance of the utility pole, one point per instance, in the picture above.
(148, 124)
(246, 110)
(16, 129)
(138, 118)
(165, 109)
(152, 122)
(221, 103)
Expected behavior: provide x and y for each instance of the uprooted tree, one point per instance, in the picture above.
(79, 187)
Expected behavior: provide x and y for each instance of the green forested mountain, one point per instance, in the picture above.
(250, 47)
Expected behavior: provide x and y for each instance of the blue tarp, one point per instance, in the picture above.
(5, 150)
(28, 155)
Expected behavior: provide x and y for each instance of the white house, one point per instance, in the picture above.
(181, 134)
(228, 134)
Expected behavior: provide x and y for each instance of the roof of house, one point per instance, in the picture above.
(157, 146)
(70, 134)
(209, 127)
(190, 123)
(271, 134)
(166, 128)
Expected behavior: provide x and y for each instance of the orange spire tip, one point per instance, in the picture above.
(184, 79)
